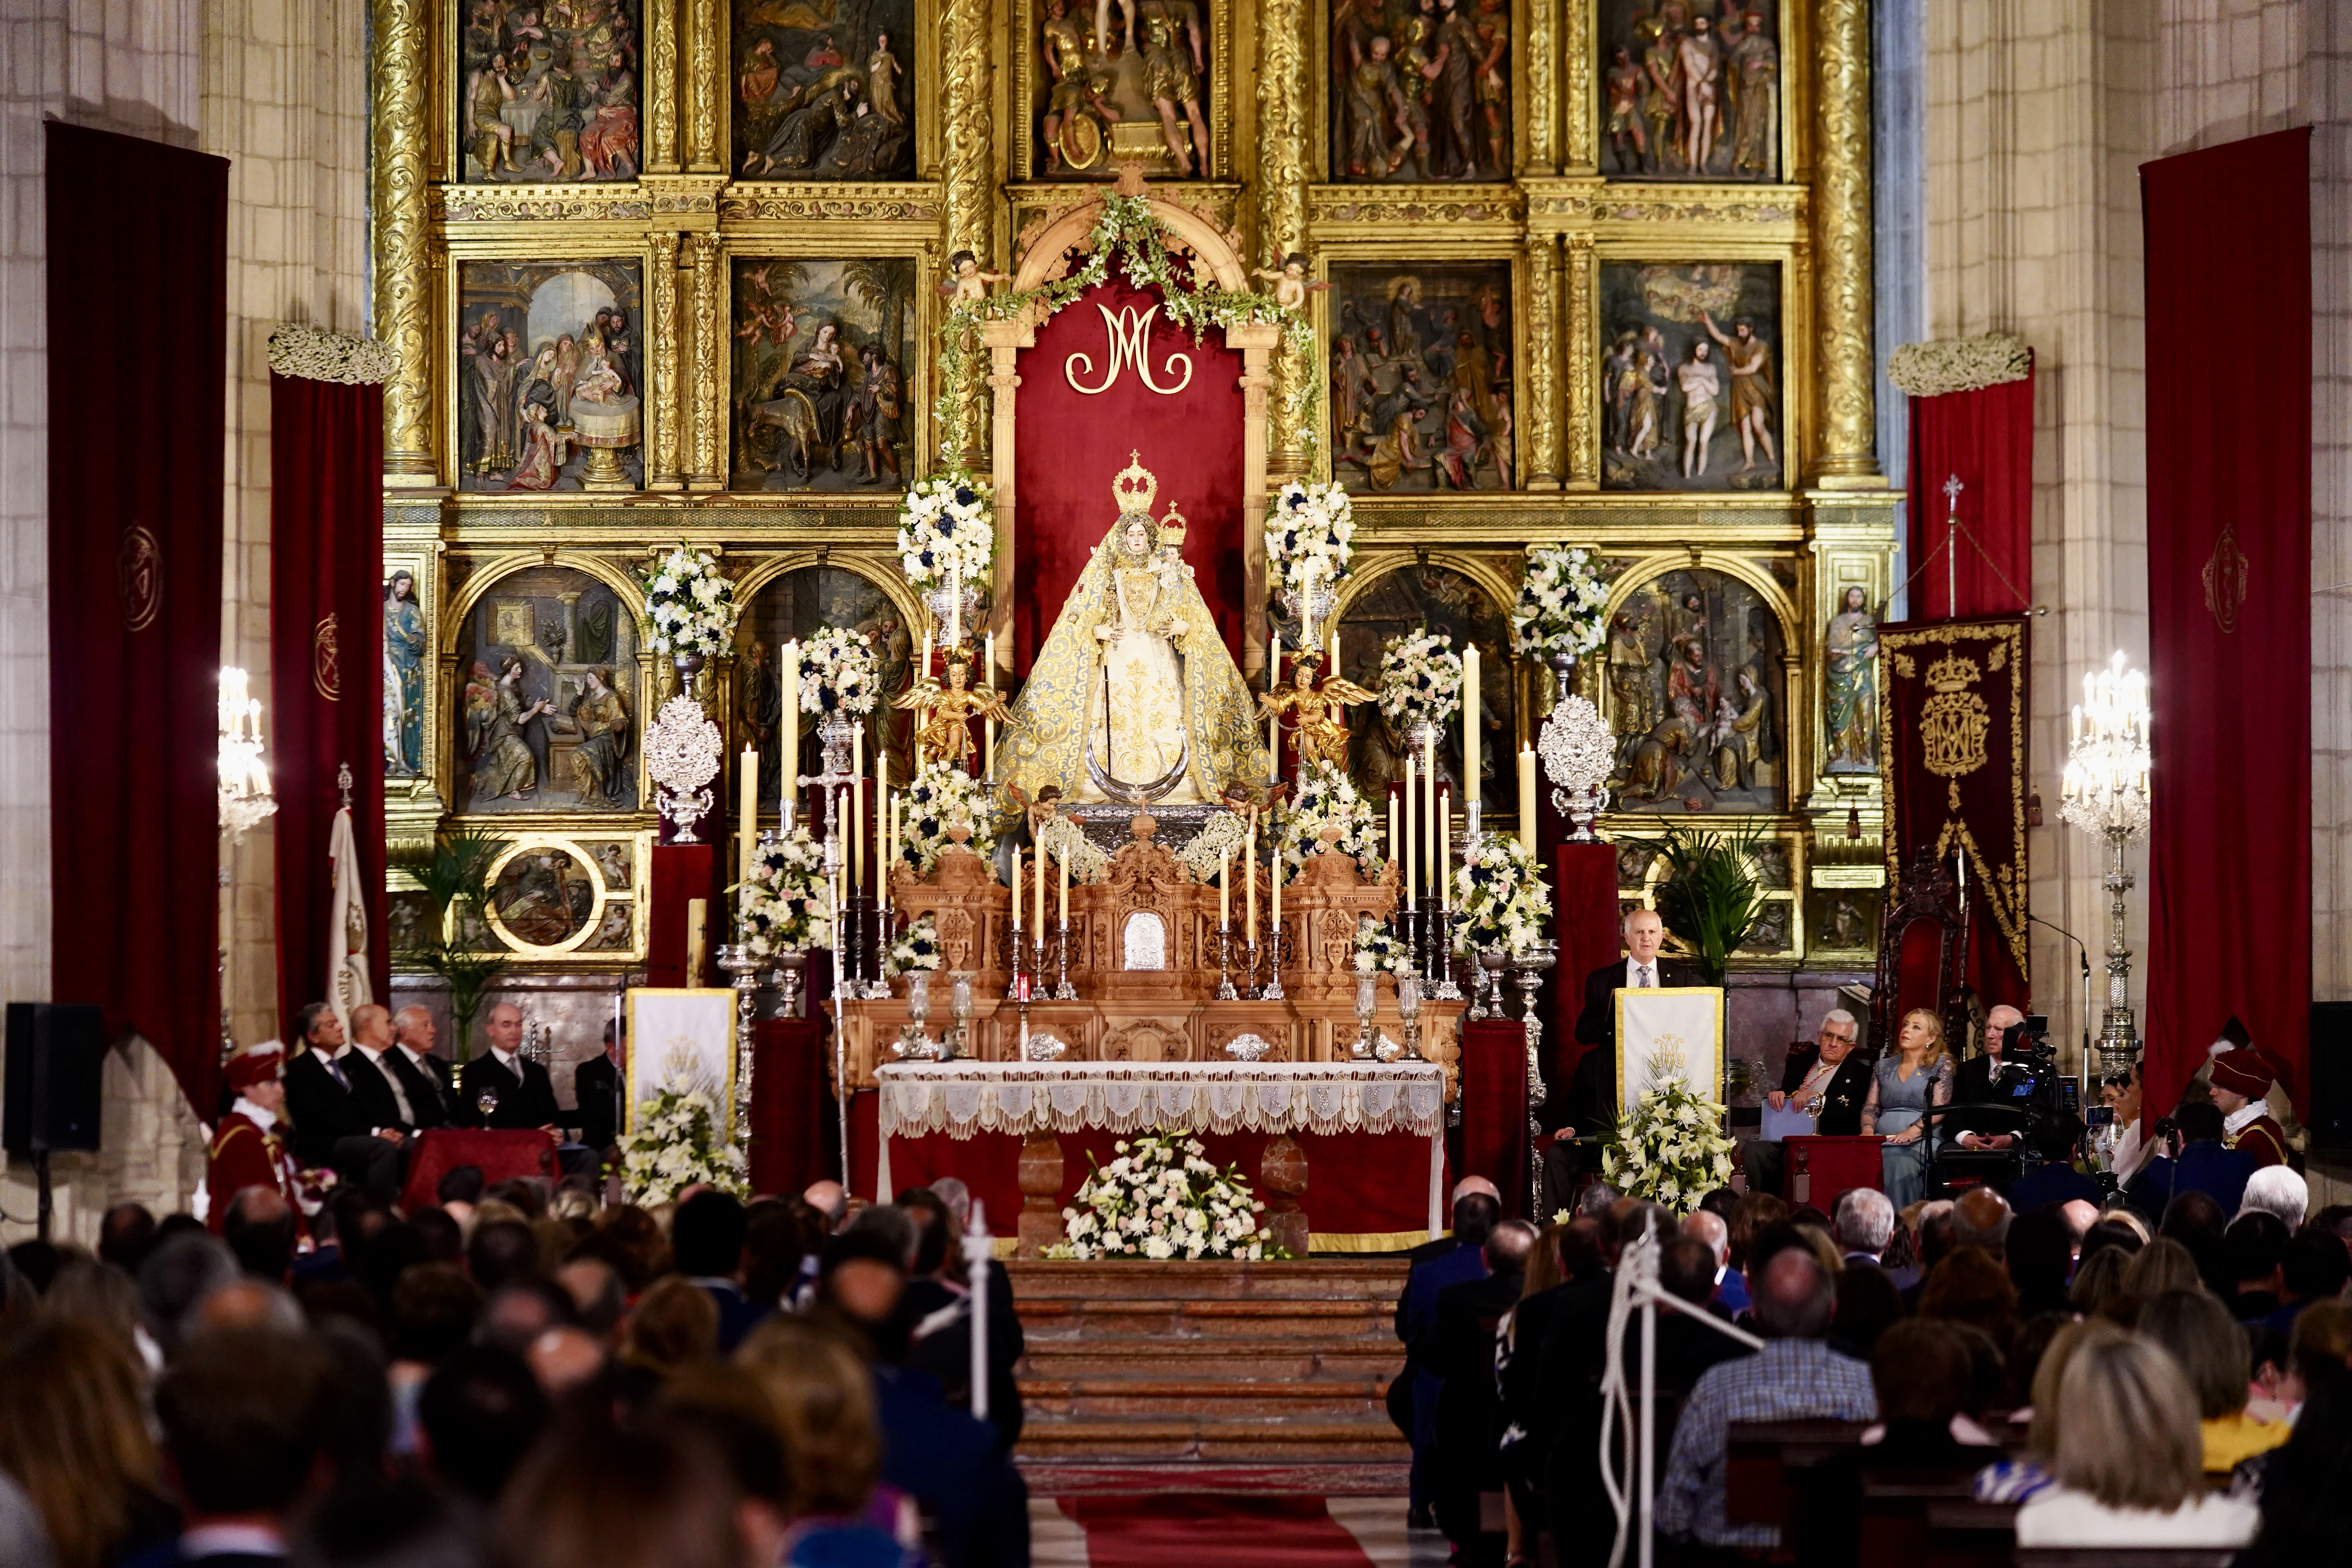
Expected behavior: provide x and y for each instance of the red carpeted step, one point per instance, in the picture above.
(1214, 1533)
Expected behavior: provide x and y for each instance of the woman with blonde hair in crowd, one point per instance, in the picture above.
(837, 1508)
(73, 1434)
(2211, 1350)
(2127, 1456)
(1908, 1081)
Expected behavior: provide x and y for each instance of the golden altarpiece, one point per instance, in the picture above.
(1591, 271)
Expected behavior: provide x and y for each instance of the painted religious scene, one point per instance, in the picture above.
(1422, 370)
(1691, 383)
(800, 605)
(825, 90)
(820, 389)
(548, 92)
(1421, 91)
(1120, 79)
(550, 377)
(1690, 89)
(1406, 603)
(1697, 696)
(549, 716)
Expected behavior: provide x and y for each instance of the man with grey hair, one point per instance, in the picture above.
(1864, 1220)
(1978, 1081)
(1828, 1080)
(1591, 1104)
(2277, 1189)
(1709, 1230)
(431, 1082)
(517, 1089)
(1796, 1376)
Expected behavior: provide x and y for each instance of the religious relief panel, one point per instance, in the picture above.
(1422, 370)
(1421, 91)
(548, 92)
(824, 90)
(550, 373)
(821, 400)
(548, 719)
(1406, 603)
(1120, 79)
(1690, 396)
(1696, 695)
(1690, 89)
(800, 605)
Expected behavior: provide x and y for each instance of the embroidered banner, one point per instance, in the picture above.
(1952, 707)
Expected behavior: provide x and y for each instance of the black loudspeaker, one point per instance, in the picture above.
(57, 1057)
(2331, 1075)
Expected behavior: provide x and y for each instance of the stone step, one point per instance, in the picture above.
(1098, 1357)
(1265, 1438)
(1221, 1400)
(1162, 1318)
(1310, 1280)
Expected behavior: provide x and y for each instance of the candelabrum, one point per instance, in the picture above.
(1225, 991)
(1538, 956)
(1486, 997)
(1368, 1003)
(1441, 957)
(2105, 792)
(792, 969)
(1062, 990)
(1409, 1011)
(244, 803)
(1578, 750)
(736, 958)
(1013, 979)
(1272, 990)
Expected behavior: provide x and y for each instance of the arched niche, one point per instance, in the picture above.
(795, 597)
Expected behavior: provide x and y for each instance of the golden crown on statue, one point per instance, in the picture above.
(1172, 527)
(1133, 486)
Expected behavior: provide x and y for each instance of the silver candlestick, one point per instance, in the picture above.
(1062, 990)
(736, 958)
(1272, 990)
(1540, 956)
(1225, 991)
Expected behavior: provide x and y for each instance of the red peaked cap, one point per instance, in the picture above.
(2244, 1072)
(2236, 1033)
(259, 1065)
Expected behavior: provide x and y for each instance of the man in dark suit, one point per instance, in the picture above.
(1827, 1076)
(382, 1094)
(2202, 1165)
(431, 1082)
(526, 1098)
(243, 1416)
(332, 1128)
(1458, 1348)
(1591, 1101)
(596, 1092)
(1474, 1215)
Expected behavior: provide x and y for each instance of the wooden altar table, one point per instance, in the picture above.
(1346, 1157)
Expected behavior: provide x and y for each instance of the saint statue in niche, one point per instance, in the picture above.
(1849, 684)
(403, 678)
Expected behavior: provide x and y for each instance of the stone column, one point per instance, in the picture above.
(1259, 342)
(1842, 280)
(1005, 341)
(1282, 207)
(403, 265)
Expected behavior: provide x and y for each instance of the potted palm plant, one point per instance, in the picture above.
(1709, 898)
(456, 874)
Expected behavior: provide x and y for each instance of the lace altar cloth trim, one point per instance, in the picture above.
(962, 1099)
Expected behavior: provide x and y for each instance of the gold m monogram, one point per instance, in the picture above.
(1129, 335)
(1953, 722)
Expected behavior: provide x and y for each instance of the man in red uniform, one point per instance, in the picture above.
(2240, 1078)
(246, 1150)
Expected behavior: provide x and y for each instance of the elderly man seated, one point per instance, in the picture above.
(1828, 1081)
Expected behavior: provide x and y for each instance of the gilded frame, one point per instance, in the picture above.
(1222, 15)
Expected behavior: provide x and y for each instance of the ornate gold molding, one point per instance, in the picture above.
(1575, 112)
(1602, 203)
(1841, 282)
(704, 85)
(403, 283)
(703, 343)
(1583, 271)
(662, 472)
(660, 84)
(1282, 177)
(831, 200)
(1460, 207)
(1541, 417)
(967, 151)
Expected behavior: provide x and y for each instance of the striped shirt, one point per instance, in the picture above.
(1789, 1380)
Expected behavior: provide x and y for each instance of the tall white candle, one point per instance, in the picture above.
(1016, 897)
(1429, 803)
(787, 783)
(1412, 836)
(1249, 876)
(882, 827)
(747, 821)
(1470, 723)
(1528, 806)
(1224, 888)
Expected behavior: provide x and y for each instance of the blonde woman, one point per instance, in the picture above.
(1914, 1075)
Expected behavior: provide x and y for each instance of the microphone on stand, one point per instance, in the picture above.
(2086, 953)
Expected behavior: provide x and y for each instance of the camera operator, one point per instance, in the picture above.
(1979, 1080)
(2193, 1161)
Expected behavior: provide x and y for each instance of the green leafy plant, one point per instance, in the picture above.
(456, 874)
(1709, 898)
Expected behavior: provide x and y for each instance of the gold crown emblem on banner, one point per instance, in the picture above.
(1133, 486)
(1953, 673)
(1172, 527)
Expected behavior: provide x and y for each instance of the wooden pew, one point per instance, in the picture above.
(2124, 1557)
(1964, 1534)
(1760, 1456)
(1894, 1513)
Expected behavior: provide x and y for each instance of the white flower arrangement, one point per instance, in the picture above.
(1378, 948)
(838, 673)
(1500, 891)
(1420, 679)
(945, 528)
(939, 795)
(1561, 604)
(1309, 534)
(1159, 1198)
(917, 947)
(784, 900)
(692, 606)
(1223, 832)
(1670, 1148)
(676, 1145)
(1325, 796)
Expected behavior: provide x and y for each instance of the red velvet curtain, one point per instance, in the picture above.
(2228, 561)
(137, 298)
(1984, 438)
(1073, 442)
(326, 659)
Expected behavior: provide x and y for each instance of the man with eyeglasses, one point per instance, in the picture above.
(1827, 1078)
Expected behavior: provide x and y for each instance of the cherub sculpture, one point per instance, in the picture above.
(946, 735)
(1319, 712)
(1290, 283)
(966, 282)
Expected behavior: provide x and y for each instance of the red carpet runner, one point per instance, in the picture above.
(1214, 1533)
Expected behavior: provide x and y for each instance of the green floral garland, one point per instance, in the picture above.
(1129, 229)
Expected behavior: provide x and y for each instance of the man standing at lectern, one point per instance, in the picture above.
(1592, 1093)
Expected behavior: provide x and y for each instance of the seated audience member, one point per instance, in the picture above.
(1980, 1218)
(836, 1508)
(1868, 1304)
(2305, 1483)
(1863, 1224)
(261, 1229)
(2210, 1350)
(2279, 1190)
(1711, 1231)
(1458, 1348)
(2098, 1283)
(2316, 1268)
(2255, 1246)
(2202, 1165)
(502, 1252)
(2198, 1223)
(2040, 1256)
(830, 1202)
(2127, 1456)
(244, 1417)
(459, 1190)
(2162, 1265)
(1795, 1375)
(1930, 1225)
(707, 1237)
(335, 1125)
(1826, 1077)
(937, 1303)
(125, 1235)
(2055, 1180)
(1968, 1287)
(1518, 1356)
(2111, 1231)
(1474, 1215)
(734, 1414)
(2018, 1479)
(1926, 1386)
(673, 1326)
(622, 1498)
(480, 1413)
(568, 1360)
(73, 1436)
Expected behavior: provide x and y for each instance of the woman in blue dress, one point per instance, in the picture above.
(1914, 1075)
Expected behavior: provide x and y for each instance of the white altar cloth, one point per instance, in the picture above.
(965, 1098)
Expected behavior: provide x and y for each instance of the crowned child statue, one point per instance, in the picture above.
(1134, 698)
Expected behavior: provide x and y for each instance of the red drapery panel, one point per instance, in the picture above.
(1073, 442)
(1495, 1110)
(681, 874)
(136, 277)
(326, 659)
(2229, 587)
(788, 1105)
(1585, 911)
(1985, 439)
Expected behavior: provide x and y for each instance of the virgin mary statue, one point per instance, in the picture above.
(1134, 698)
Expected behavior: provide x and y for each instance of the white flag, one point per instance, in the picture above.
(347, 933)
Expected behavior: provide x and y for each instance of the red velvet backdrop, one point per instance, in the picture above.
(682, 873)
(1952, 707)
(2228, 561)
(326, 665)
(1071, 444)
(1584, 906)
(1984, 438)
(1495, 1110)
(136, 277)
